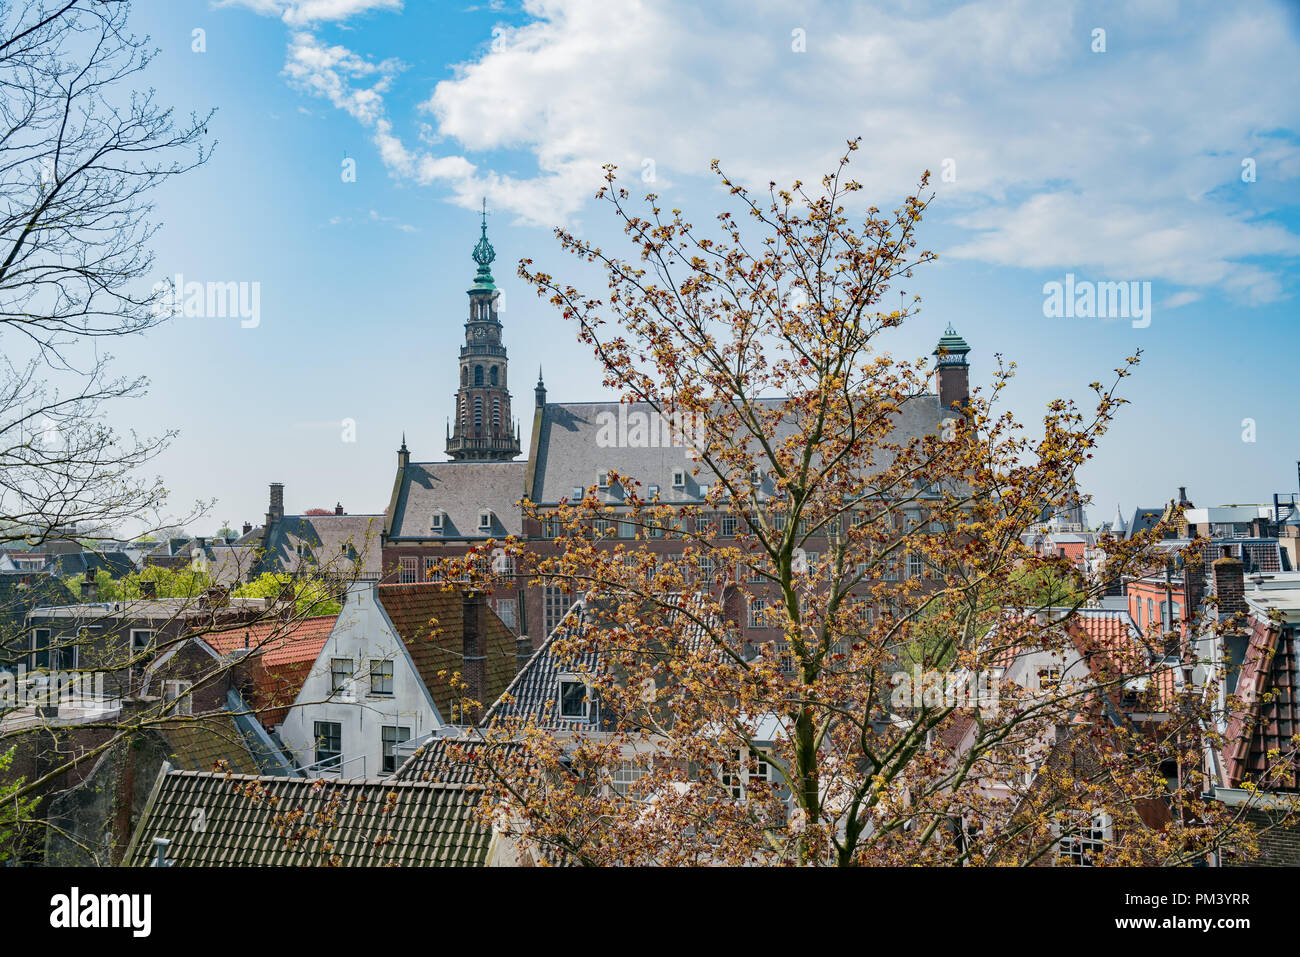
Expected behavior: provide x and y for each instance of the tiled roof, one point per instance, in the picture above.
(430, 621)
(1271, 667)
(459, 491)
(267, 821)
(199, 743)
(286, 652)
(448, 760)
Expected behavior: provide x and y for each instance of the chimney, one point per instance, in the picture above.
(474, 637)
(248, 527)
(1182, 497)
(88, 588)
(1229, 583)
(149, 589)
(276, 510)
(951, 371)
(523, 651)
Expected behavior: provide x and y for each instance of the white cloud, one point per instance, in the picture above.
(1125, 162)
(305, 12)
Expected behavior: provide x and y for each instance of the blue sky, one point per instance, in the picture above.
(1118, 165)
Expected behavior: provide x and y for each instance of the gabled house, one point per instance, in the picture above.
(386, 675)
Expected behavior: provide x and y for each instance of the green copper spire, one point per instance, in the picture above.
(952, 348)
(483, 255)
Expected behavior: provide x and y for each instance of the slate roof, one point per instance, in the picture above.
(1144, 519)
(572, 451)
(533, 694)
(346, 546)
(430, 622)
(255, 821)
(286, 650)
(459, 490)
(117, 564)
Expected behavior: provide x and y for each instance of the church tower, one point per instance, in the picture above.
(484, 430)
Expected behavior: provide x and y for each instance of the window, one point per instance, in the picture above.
(728, 524)
(478, 415)
(627, 529)
(436, 523)
(507, 611)
(557, 605)
(602, 481)
(478, 375)
(390, 737)
(1049, 679)
(601, 527)
(410, 570)
(40, 648)
(485, 520)
(653, 491)
(432, 573)
(551, 527)
(573, 699)
(757, 612)
(778, 521)
(679, 478)
(741, 773)
(706, 568)
(329, 745)
(578, 493)
(141, 639)
(1083, 837)
(624, 774)
(915, 564)
(340, 672)
(492, 375)
(179, 691)
(1150, 613)
(381, 677)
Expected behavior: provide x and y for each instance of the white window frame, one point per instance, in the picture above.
(178, 690)
(335, 684)
(388, 748)
(560, 682)
(485, 520)
(436, 522)
(679, 478)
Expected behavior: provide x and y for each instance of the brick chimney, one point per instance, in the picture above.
(89, 588)
(473, 648)
(248, 527)
(951, 370)
(338, 508)
(149, 589)
(523, 651)
(1229, 583)
(275, 511)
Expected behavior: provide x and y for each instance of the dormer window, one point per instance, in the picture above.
(578, 493)
(436, 522)
(485, 520)
(679, 478)
(573, 699)
(602, 481)
(756, 477)
(653, 490)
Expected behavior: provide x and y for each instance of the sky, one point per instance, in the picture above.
(1073, 143)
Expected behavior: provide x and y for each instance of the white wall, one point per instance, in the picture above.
(362, 632)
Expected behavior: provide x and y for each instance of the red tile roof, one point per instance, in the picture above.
(285, 652)
(1270, 667)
